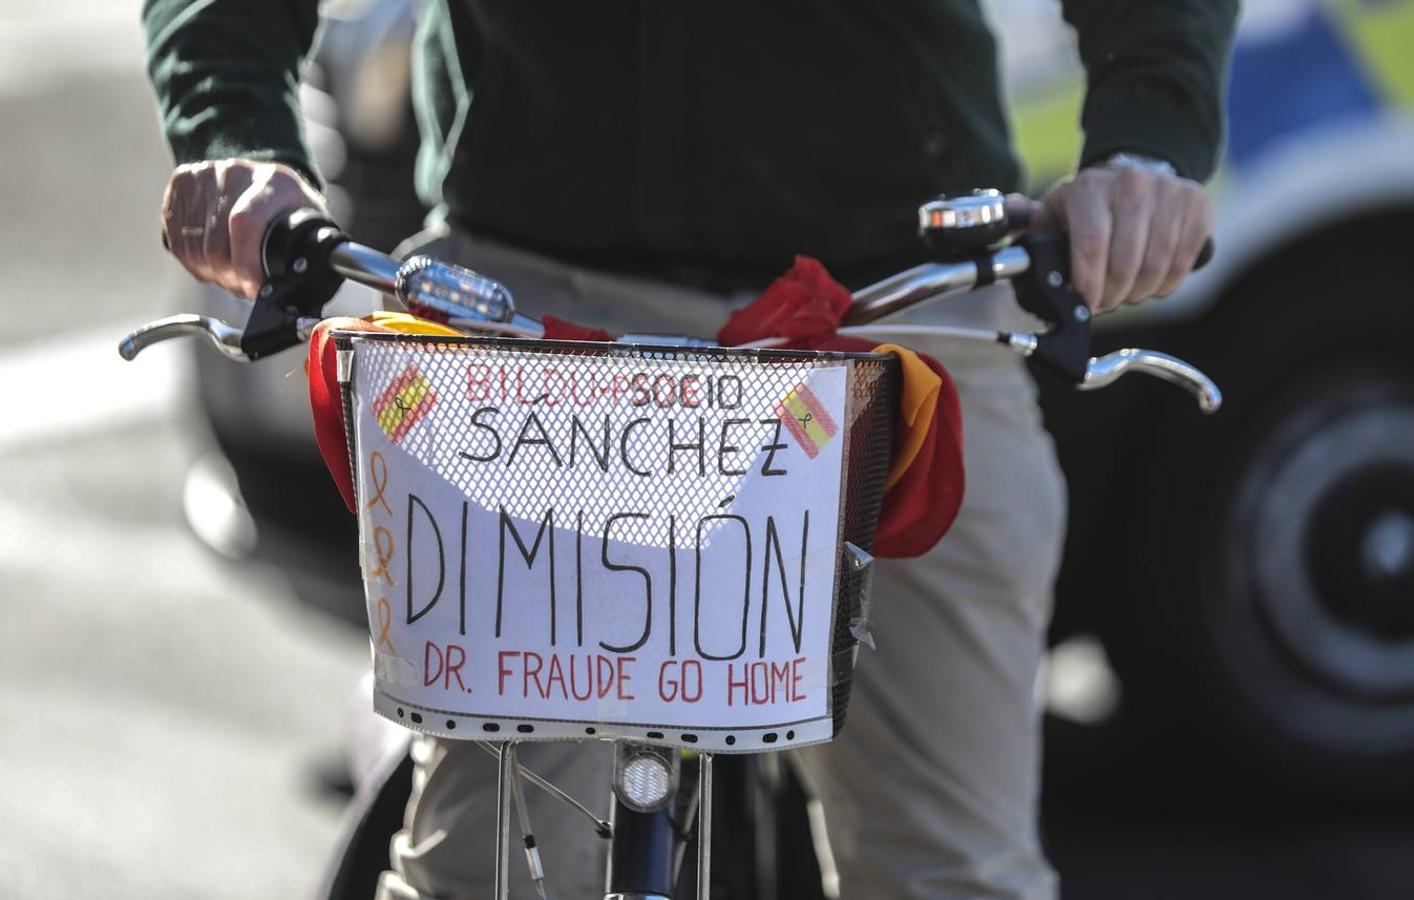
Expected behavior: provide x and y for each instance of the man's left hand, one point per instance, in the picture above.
(1134, 232)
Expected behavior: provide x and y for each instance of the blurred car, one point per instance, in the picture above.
(1251, 577)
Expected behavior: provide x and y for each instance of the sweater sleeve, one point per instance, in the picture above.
(1156, 72)
(226, 74)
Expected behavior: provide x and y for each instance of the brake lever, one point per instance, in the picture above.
(1065, 348)
(1105, 370)
(1045, 292)
(295, 255)
(224, 337)
(299, 282)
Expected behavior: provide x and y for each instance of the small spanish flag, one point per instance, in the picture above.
(403, 403)
(806, 419)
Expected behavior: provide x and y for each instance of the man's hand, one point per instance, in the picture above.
(215, 214)
(1134, 233)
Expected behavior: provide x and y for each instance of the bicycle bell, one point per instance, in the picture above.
(962, 225)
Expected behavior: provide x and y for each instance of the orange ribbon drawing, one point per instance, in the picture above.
(383, 550)
(378, 471)
(385, 621)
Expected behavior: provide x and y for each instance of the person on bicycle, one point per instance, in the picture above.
(647, 166)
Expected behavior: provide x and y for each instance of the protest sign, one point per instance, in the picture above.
(574, 545)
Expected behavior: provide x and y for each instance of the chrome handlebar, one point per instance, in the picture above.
(931, 281)
(286, 311)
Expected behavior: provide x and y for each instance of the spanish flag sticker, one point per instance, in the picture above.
(806, 420)
(403, 403)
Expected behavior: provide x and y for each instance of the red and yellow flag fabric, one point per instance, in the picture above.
(403, 403)
(807, 420)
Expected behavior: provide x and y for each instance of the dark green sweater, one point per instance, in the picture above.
(719, 133)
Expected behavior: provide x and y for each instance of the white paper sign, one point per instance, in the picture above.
(572, 546)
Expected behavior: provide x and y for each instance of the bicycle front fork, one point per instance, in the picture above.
(642, 853)
(643, 862)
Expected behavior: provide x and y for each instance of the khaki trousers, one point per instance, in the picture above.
(931, 790)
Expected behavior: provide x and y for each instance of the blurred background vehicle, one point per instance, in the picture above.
(1250, 579)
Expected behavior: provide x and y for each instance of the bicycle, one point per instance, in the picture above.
(426, 410)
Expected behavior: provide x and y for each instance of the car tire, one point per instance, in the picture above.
(1267, 622)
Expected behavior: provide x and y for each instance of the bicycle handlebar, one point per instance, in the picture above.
(306, 257)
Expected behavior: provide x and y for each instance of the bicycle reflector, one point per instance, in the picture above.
(644, 777)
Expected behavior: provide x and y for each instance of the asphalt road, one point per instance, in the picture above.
(169, 718)
(165, 716)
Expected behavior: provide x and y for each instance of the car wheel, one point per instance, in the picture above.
(1286, 583)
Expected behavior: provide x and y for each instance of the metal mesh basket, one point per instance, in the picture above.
(640, 441)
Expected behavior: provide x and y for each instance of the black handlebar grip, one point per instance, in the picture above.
(1205, 254)
(1020, 220)
(295, 235)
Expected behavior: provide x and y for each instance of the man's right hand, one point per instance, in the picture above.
(215, 215)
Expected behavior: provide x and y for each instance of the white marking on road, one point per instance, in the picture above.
(77, 384)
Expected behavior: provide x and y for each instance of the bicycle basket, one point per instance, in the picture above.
(570, 541)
